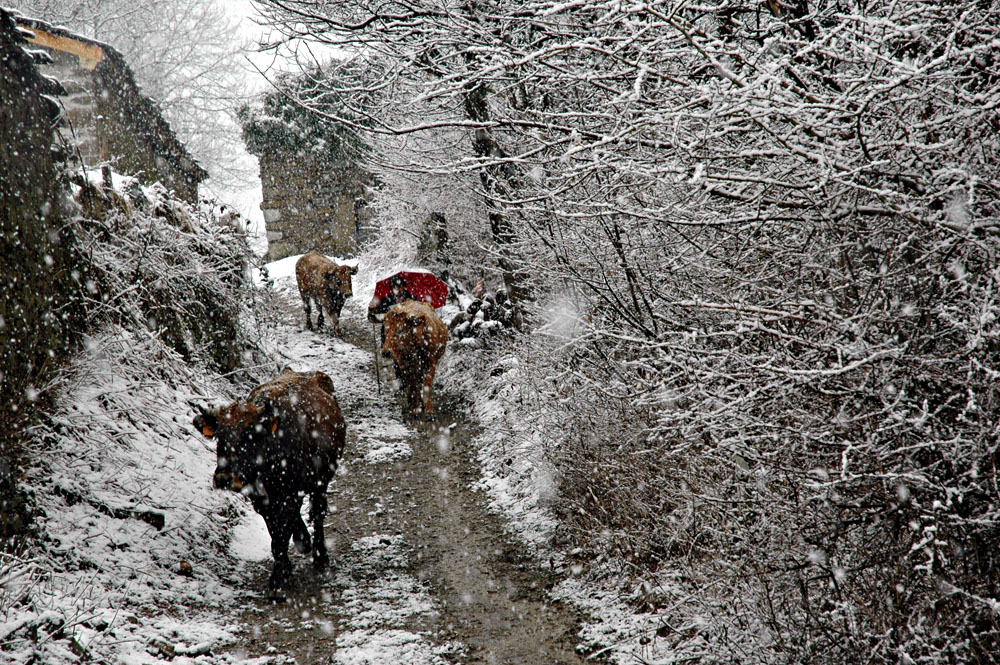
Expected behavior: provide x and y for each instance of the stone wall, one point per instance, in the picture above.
(308, 205)
(41, 303)
(107, 119)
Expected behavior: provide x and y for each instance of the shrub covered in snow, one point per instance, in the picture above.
(122, 508)
(161, 265)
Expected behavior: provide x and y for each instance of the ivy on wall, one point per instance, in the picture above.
(298, 117)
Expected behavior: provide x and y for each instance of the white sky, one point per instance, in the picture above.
(247, 200)
(258, 67)
(270, 62)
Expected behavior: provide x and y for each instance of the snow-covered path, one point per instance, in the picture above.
(365, 606)
(140, 562)
(420, 570)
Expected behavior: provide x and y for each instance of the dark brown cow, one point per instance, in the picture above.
(326, 283)
(283, 441)
(415, 339)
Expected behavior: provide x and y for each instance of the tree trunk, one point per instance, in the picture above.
(494, 181)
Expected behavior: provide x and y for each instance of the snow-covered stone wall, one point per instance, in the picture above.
(107, 119)
(41, 298)
(311, 205)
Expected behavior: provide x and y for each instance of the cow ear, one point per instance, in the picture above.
(206, 422)
(354, 270)
(268, 418)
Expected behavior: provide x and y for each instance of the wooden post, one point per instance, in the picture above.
(378, 371)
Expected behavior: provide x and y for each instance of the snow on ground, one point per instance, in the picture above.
(129, 523)
(378, 609)
(515, 477)
(141, 560)
(519, 484)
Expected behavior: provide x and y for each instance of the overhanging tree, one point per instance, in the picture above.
(778, 227)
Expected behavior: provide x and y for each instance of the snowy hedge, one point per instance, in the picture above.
(162, 266)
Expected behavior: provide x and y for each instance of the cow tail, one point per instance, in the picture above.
(423, 358)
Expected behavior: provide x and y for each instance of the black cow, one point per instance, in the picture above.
(285, 440)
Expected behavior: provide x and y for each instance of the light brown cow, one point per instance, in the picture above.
(282, 442)
(415, 339)
(326, 283)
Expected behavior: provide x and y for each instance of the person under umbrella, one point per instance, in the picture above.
(398, 293)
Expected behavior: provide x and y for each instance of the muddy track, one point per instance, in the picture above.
(405, 529)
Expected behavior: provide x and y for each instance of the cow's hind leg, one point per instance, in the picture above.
(307, 305)
(281, 522)
(301, 538)
(425, 393)
(427, 368)
(317, 513)
(411, 384)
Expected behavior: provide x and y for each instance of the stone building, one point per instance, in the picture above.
(106, 118)
(310, 204)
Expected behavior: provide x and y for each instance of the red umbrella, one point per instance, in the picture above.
(421, 284)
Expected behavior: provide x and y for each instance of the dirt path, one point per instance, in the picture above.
(421, 571)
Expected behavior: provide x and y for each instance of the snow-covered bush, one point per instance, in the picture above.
(168, 268)
(280, 121)
(836, 468)
(778, 372)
